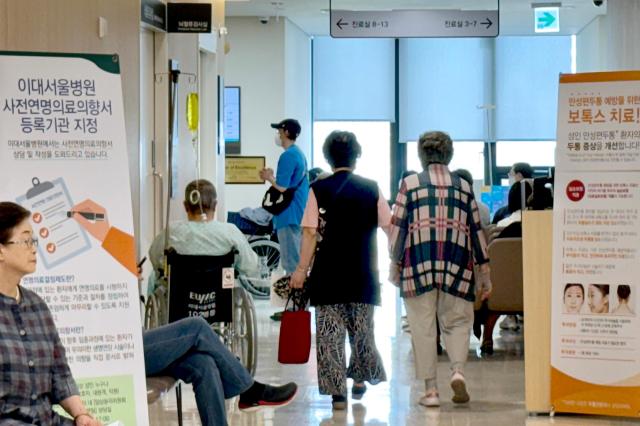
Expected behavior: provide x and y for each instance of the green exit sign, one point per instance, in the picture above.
(547, 19)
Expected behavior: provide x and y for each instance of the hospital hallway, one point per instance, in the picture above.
(495, 384)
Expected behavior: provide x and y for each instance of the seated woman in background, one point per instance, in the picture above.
(31, 385)
(512, 224)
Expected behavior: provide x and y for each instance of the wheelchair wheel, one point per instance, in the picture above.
(251, 285)
(244, 341)
(151, 313)
(269, 250)
(162, 305)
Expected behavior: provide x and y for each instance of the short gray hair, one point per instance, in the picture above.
(435, 147)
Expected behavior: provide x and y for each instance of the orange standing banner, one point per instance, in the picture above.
(595, 347)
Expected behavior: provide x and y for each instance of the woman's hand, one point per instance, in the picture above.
(395, 273)
(87, 420)
(297, 279)
(75, 407)
(483, 282)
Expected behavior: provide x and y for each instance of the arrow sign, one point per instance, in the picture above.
(414, 23)
(340, 23)
(547, 19)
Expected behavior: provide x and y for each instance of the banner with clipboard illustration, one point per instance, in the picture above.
(63, 156)
(51, 206)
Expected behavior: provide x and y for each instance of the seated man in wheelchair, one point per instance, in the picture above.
(189, 349)
(201, 235)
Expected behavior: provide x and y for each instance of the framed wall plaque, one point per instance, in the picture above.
(243, 170)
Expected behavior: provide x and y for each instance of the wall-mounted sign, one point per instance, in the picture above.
(189, 17)
(414, 23)
(546, 19)
(154, 13)
(243, 169)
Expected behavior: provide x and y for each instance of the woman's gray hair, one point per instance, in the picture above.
(435, 147)
(341, 149)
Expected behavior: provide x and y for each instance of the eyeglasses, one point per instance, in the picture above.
(28, 243)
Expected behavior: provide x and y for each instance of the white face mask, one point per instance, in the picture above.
(278, 141)
(512, 180)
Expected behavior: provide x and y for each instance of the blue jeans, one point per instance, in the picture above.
(191, 351)
(289, 239)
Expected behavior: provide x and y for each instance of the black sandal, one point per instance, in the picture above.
(339, 402)
(358, 390)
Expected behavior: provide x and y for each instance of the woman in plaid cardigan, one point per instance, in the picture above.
(435, 240)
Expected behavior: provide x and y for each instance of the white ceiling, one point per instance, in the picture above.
(516, 16)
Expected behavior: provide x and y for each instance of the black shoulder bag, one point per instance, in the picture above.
(275, 202)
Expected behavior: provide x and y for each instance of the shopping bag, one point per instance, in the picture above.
(294, 344)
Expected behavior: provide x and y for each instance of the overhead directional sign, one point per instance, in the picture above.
(547, 19)
(414, 23)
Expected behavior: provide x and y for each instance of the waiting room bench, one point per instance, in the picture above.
(159, 385)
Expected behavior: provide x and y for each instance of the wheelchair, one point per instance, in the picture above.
(205, 286)
(263, 241)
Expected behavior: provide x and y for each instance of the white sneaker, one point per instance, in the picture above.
(430, 399)
(459, 386)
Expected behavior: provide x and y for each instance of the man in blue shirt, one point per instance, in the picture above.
(291, 173)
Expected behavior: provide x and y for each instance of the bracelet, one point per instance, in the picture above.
(299, 269)
(76, 417)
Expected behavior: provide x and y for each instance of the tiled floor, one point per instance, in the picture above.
(496, 385)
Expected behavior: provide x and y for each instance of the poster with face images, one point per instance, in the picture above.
(595, 347)
(63, 156)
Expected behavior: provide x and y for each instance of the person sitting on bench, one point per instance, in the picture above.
(191, 351)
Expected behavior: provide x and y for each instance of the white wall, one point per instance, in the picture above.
(271, 64)
(184, 49)
(297, 78)
(610, 42)
(588, 54)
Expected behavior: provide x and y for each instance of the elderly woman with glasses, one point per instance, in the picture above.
(35, 374)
